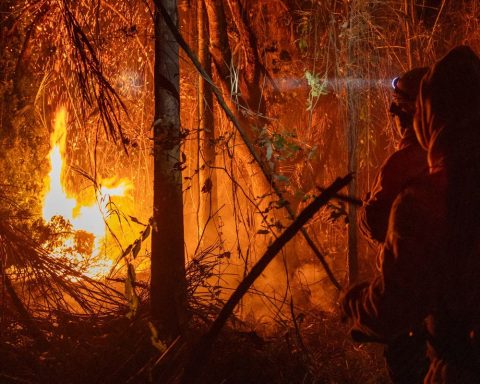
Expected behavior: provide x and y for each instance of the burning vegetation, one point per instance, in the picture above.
(176, 190)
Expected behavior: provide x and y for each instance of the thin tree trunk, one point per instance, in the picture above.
(222, 59)
(252, 68)
(168, 283)
(207, 178)
(409, 15)
(352, 134)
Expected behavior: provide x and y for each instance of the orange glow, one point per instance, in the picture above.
(89, 217)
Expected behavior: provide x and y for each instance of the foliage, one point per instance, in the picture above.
(318, 87)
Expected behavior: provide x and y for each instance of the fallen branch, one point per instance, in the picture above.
(266, 172)
(201, 351)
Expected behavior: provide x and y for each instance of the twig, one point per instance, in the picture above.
(346, 198)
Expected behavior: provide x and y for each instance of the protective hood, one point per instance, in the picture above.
(448, 103)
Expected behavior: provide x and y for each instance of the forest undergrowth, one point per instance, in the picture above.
(113, 349)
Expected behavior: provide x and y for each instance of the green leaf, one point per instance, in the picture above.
(281, 178)
(279, 141)
(302, 44)
(269, 151)
(294, 147)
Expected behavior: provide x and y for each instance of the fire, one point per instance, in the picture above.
(84, 217)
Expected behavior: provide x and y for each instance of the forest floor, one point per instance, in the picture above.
(116, 350)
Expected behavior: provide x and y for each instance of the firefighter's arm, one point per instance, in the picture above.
(398, 298)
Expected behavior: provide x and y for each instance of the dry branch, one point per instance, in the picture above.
(96, 90)
(49, 285)
(265, 171)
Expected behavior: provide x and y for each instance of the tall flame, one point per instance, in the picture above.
(87, 217)
(56, 201)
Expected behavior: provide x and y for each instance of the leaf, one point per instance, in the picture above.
(269, 151)
(134, 302)
(156, 342)
(131, 274)
(135, 220)
(302, 44)
(127, 251)
(226, 254)
(136, 248)
(130, 293)
(128, 288)
(282, 203)
(146, 233)
(279, 141)
(281, 178)
(312, 153)
(207, 186)
(294, 147)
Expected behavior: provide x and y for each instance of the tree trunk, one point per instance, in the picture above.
(352, 122)
(168, 283)
(207, 178)
(252, 67)
(221, 56)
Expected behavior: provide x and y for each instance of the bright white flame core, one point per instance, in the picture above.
(87, 217)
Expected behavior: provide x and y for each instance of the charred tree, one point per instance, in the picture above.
(168, 285)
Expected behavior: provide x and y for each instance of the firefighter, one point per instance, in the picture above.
(404, 165)
(405, 356)
(431, 255)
